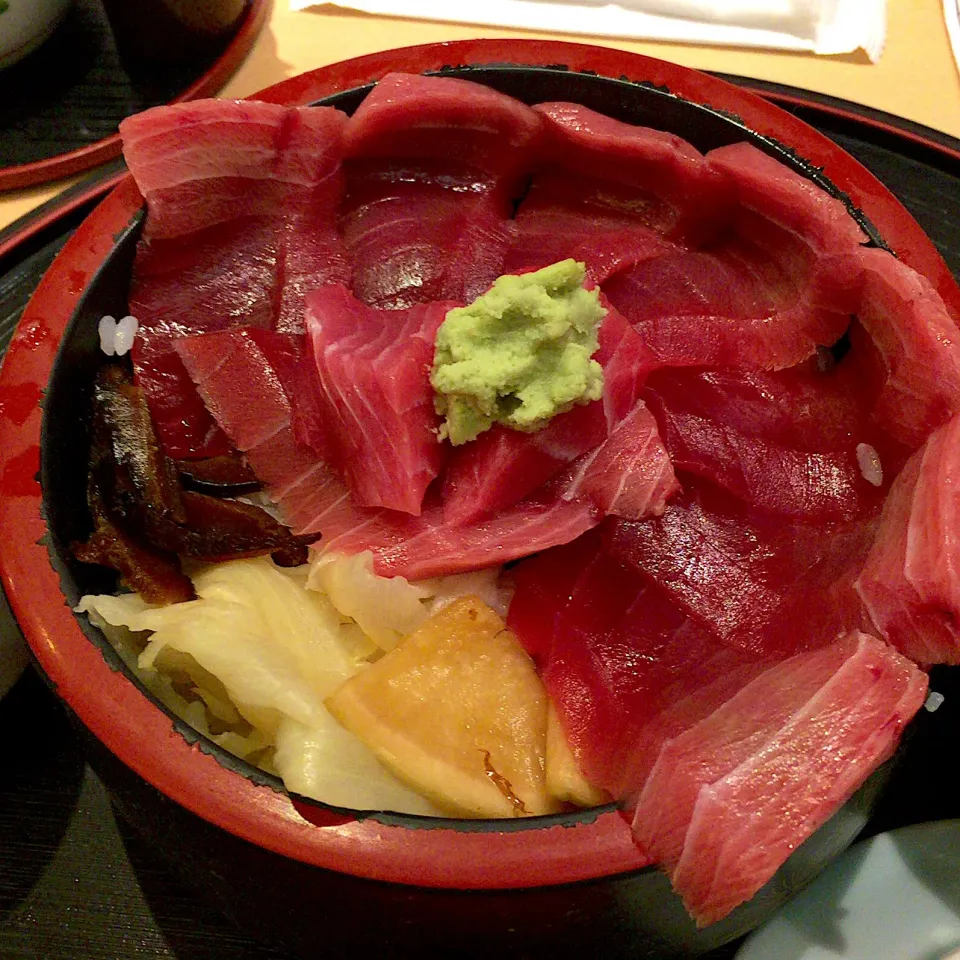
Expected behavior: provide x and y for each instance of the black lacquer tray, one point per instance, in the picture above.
(78, 883)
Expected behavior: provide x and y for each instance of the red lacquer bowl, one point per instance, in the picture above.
(384, 879)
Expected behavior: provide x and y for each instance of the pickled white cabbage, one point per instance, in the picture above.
(250, 662)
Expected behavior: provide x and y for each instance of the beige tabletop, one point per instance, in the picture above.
(915, 78)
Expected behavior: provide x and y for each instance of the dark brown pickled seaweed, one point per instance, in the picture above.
(144, 521)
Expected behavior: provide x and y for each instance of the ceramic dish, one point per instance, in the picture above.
(895, 896)
(420, 882)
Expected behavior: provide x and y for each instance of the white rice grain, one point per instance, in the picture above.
(107, 328)
(126, 331)
(869, 462)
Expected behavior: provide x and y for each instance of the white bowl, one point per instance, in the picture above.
(24, 25)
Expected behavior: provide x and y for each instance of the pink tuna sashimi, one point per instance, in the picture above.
(563, 215)
(374, 406)
(244, 377)
(764, 298)
(748, 822)
(720, 742)
(420, 233)
(502, 466)
(759, 583)
(909, 583)
(241, 198)
(413, 116)
(427, 546)
(918, 345)
(660, 178)
(629, 474)
(789, 199)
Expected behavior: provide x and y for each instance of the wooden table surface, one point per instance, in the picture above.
(916, 77)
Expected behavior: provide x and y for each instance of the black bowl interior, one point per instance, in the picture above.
(65, 445)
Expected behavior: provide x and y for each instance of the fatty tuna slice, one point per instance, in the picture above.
(427, 546)
(910, 583)
(762, 298)
(747, 823)
(720, 742)
(374, 407)
(503, 466)
(661, 179)
(241, 198)
(759, 583)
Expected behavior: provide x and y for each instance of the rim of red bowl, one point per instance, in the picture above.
(435, 854)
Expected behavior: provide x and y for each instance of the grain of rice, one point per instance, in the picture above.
(869, 462)
(107, 328)
(126, 331)
(934, 700)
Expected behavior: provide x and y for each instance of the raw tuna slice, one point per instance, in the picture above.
(772, 189)
(660, 178)
(623, 665)
(410, 115)
(243, 377)
(436, 162)
(747, 823)
(918, 344)
(767, 475)
(909, 583)
(502, 466)
(719, 743)
(427, 546)
(629, 474)
(759, 583)
(374, 408)
(415, 234)
(241, 198)
(559, 219)
(764, 298)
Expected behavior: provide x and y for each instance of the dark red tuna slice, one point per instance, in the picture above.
(624, 666)
(759, 583)
(435, 163)
(660, 178)
(563, 215)
(240, 198)
(909, 583)
(420, 233)
(782, 195)
(413, 116)
(747, 823)
(918, 345)
(715, 746)
(375, 403)
(629, 474)
(763, 298)
(502, 466)
(764, 474)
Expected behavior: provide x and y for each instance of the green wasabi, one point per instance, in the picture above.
(518, 355)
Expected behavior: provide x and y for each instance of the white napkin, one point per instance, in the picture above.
(823, 26)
